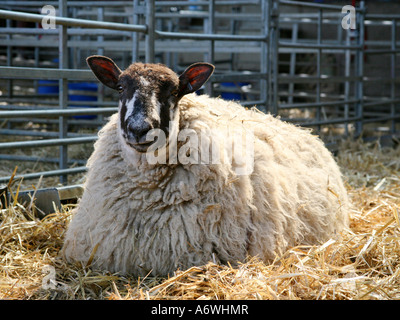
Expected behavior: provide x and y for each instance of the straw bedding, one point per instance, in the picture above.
(361, 264)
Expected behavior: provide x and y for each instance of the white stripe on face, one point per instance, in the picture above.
(144, 82)
(156, 107)
(130, 105)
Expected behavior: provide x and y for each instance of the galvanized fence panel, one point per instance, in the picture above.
(63, 76)
(293, 76)
(328, 108)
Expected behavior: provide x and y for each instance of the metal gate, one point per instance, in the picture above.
(267, 54)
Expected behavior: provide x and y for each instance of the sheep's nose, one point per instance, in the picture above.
(139, 132)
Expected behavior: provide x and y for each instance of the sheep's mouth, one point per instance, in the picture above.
(140, 147)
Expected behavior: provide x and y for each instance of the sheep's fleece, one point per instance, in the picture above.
(135, 217)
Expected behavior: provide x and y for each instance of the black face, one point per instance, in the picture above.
(149, 95)
(145, 105)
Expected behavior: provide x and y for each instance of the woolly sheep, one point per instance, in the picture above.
(139, 217)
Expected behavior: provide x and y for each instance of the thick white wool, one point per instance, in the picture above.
(136, 217)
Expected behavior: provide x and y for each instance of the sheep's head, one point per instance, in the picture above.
(149, 95)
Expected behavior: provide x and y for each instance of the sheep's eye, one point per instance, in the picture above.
(120, 89)
(174, 92)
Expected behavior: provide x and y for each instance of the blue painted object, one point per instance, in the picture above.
(232, 95)
(79, 91)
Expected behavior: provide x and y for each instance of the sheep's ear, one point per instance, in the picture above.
(194, 77)
(105, 70)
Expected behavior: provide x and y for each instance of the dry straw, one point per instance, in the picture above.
(361, 263)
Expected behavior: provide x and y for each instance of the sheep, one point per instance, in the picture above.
(142, 217)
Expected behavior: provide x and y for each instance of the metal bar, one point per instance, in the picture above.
(248, 76)
(195, 14)
(393, 75)
(307, 17)
(11, 157)
(381, 79)
(272, 52)
(382, 51)
(295, 31)
(319, 58)
(86, 123)
(9, 62)
(22, 3)
(381, 119)
(135, 37)
(71, 22)
(265, 50)
(42, 104)
(162, 46)
(275, 58)
(34, 133)
(286, 44)
(259, 104)
(312, 5)
(326, 122)
(360, 70)
(381, 102)
(47, 73)
(211, 28)
(205, 3)
(347, 75)
(377, 16)
(46, 142)
(56, 112)
(150, 34)
(307, 50)
(63, 89)
(323, 78)
(70, 31)
(45, 174)
(316, 104)
(100, 37)
(208, 37)
(346, 106)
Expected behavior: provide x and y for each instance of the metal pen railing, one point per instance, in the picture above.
(70, 26)
(153, 31)
(318, 47)
(63, 74)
